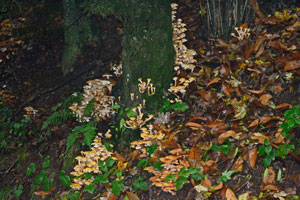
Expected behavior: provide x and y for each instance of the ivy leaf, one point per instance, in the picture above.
(89, 107)
(31, 169)
(117, 186)
(90, 188)
(64, 179)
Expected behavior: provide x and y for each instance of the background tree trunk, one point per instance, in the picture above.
(78, 29)
(148, 50)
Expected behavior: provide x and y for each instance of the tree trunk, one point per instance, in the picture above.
(148, 51)
(78, 30)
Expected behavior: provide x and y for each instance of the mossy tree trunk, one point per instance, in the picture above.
(78, 29)
(148, 51)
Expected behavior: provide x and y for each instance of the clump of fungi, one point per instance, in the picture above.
(98, 92)
(88, 162)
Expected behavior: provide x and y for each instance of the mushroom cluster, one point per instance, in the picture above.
(184, 56)
(243, 33)
(143, 86)
(149, 135)
(98, 92)
(88, 162)
(30, 112)
(171, 165)
(180, 85)
(138, 121)
(117, 69)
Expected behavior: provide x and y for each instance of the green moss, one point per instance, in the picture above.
(147, 50)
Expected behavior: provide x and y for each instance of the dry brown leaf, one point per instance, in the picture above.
(270, 187)
(254, 70)
(216, 126)
(292, 65)
(256, 91)
(217, 187)
(215, 80)
(260, 51)
(284, 106)
(193, 154)
(230, 195)
(260, 138)
(173, 135)
(259, 42)
(193, 125)
(206, 182)
(112, 197)
(252, 156)
(225, 135)
(238, 164)
(119, 157)
(132, 196)
(254, 123)
(279, 139)
(226, 90)
(222, 43)
(264, 99)
(270, 177)
(169, 144)
(277, 89)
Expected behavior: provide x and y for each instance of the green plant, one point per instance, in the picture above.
(42, 179)
(64, 179)
(87, 129)
(168, 106)
(292, 120)
(224, 147)
(267, 150)
(5, 193)
(31, 169)
(140, 184)
(226, 176)
(17, 191)
(183, 175)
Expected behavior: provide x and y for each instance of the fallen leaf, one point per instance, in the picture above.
(132, 196)
(256, 91)
(206, 182)
(283, 106)
(270, 187)
(238, 164)
(225, 135)
(296, 178)
(259, 42)
(193, 125)
(264, 99)
(270, 177)
(292, 65)
(279, 139)
(216, 126)
(260, 137)
(215, 80)
(254, 123)
(244, 196)
(119, 157)
(230, 195)
(200, 188)
(252, 156)
(226, 90)
(193, 154)
(217, 187)
(277, 89)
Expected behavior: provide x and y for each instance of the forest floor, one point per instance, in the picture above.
(231, 130)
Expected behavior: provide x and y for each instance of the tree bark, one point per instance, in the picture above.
(148, 51)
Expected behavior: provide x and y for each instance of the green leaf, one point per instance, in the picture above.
(169, 177)
(116, 106)
(279, 175)
(46, 163)
(64, 179)
(122, 122)
(141, 163)
(31, 169)
(117, 186)
(180, 181)
(107, 146)
(267, 161)
(18, 191)
(157, 165)
(118, 173)
(110, 162)
(103, 166)
(89, 107)
(90, 188)
(150, 149)
(140, 184)
(197, 176)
